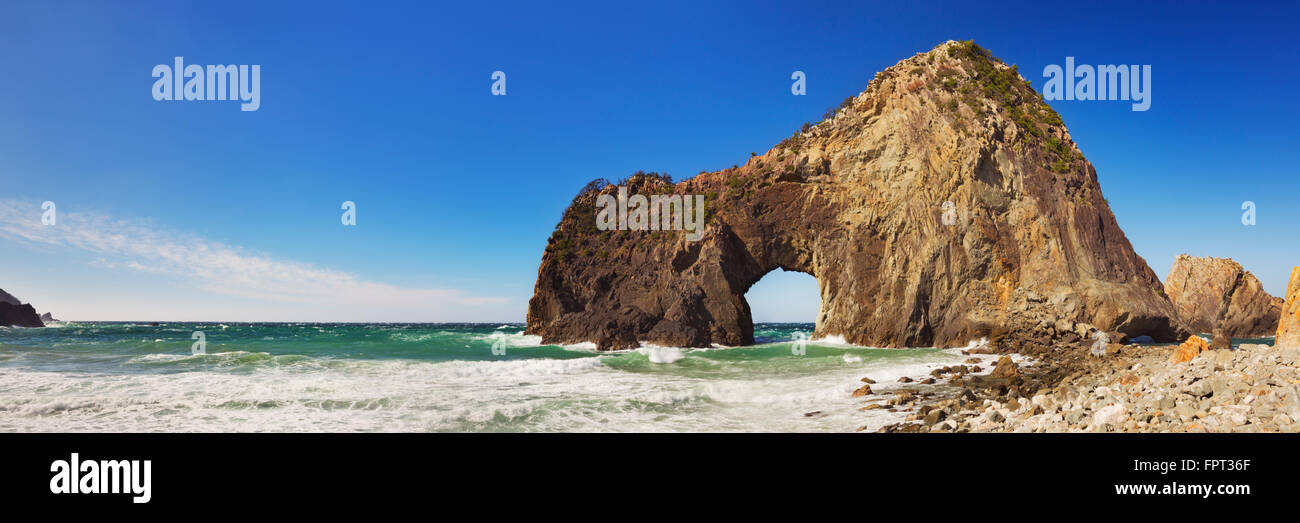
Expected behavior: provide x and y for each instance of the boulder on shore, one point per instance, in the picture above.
(1217, 293)
(1190, 349)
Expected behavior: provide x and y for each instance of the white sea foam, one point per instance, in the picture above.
(517, 339)
(830, 340)
(659, 354)
(256, 391)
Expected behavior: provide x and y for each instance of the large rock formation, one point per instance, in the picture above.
(1288, 327)
(945, 202)
(1214, 293)
(16, 314)
(8, 298)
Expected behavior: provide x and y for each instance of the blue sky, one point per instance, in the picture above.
(389, 105)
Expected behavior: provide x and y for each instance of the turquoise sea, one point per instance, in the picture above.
(126, 377)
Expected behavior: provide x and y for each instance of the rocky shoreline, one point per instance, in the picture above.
(1187, 388)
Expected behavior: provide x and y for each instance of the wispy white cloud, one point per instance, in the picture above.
(132, 245)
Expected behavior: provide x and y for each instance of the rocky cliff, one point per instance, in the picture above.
(1288, 327)
(8, 298)
(1217, 293)
(16, 314)
(945, 202)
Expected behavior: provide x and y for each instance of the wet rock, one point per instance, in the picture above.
(862, 391)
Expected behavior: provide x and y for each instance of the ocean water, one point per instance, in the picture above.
(129, 377)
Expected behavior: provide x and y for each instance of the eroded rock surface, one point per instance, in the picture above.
(945, 202)
(1217, 293)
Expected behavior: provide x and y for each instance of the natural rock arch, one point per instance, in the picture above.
(945, 202)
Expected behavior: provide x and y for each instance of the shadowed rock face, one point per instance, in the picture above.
(14, 314)
(1027, 244)
(1217, 293)
(8, 298)
(1288, 328)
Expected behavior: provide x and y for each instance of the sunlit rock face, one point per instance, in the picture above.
(1217, 293)
(944, 203)
(1288, 327)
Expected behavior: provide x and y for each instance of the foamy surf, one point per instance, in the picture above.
(317, 377)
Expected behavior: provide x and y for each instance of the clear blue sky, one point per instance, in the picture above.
(389, 106)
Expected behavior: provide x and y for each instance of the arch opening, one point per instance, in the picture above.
(783, 297)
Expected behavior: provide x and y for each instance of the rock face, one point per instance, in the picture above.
(1217, 293)
(1288, 328)
(15, 314)
(8, 298)
(945, 202)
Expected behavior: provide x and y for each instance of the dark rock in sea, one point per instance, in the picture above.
(904, 379)
(19, 315)
(47, 317)
(16, 314)
(944, 202)
(8, 298)
(1217, 293)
